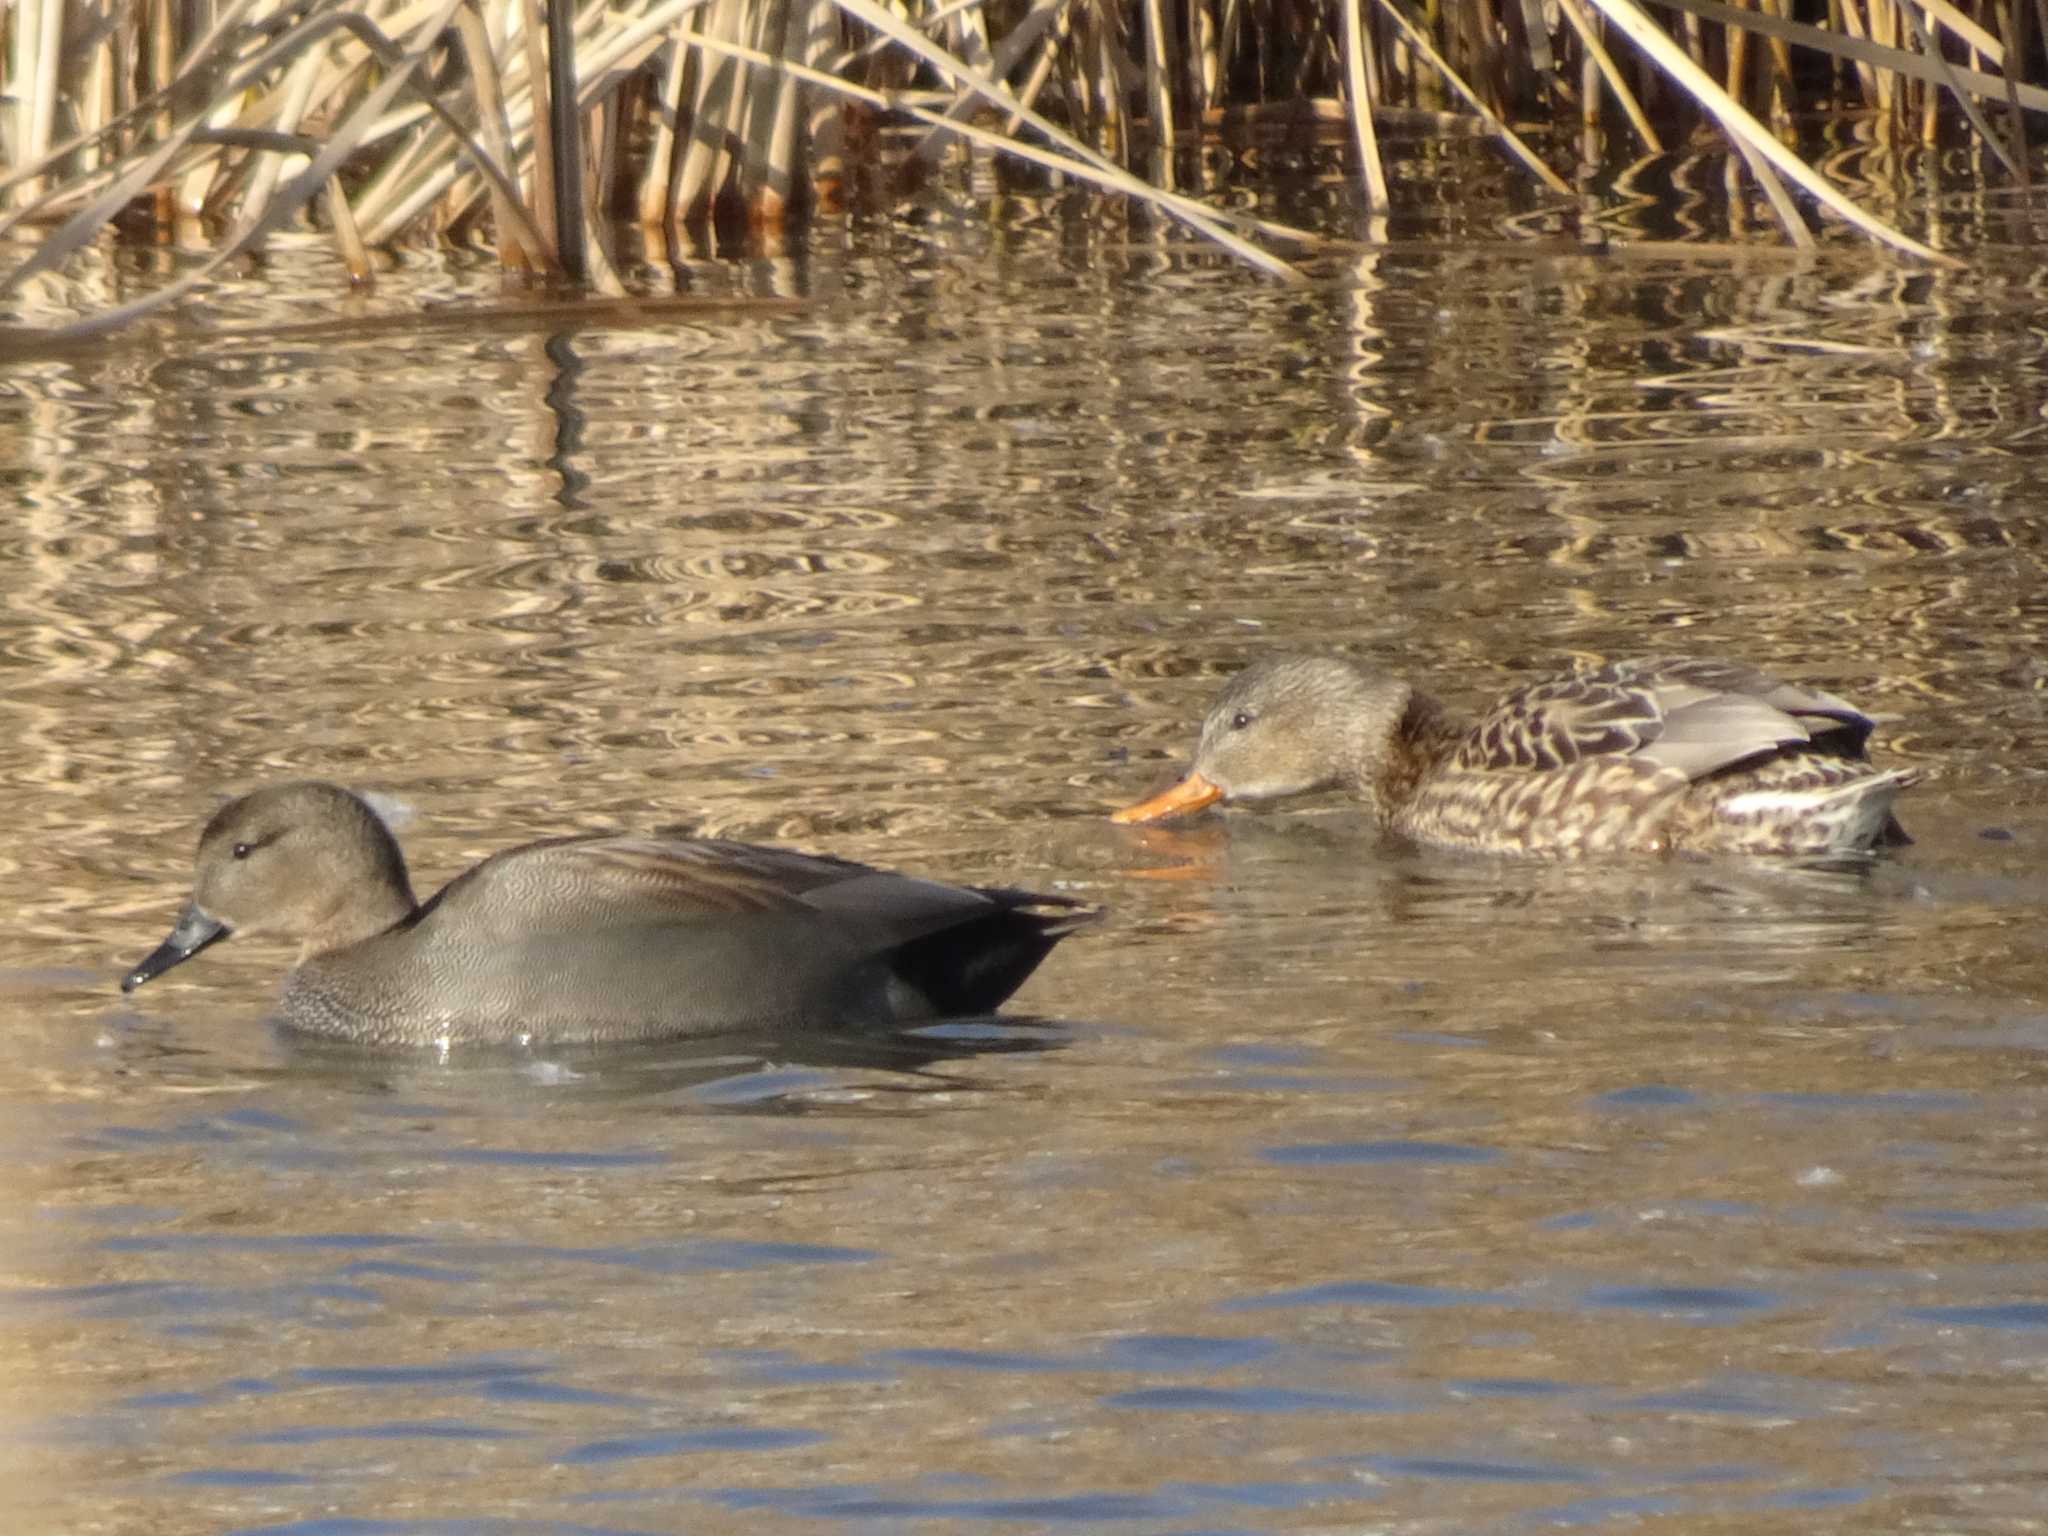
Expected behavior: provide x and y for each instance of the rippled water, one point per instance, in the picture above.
(1327, 1187)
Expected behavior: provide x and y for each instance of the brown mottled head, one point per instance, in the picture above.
(1290, 726)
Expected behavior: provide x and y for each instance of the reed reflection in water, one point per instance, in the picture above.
(1331, 1186)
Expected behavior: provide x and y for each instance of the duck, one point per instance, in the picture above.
(592, 939)
(1652, 755)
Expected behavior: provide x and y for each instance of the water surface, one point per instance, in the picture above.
(1327, 1187)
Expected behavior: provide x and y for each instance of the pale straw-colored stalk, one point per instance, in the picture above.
(1735, 120)
(1608, 74)
(275, 106)
(1358, 85)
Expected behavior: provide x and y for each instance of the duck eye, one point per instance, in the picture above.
(1241, 719)
(243, 850)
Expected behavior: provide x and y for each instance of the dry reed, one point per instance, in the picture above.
(550, 126)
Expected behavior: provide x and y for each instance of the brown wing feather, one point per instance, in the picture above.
(712, 875)
(1559, 722)
(641, 880)
(632, 882)
(1831, 723)
(1698, 715)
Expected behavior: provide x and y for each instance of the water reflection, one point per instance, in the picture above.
(772, 1073)
(808, 1072)
(1331, 1184)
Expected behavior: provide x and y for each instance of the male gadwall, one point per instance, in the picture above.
(607, 938)
(1635, 757)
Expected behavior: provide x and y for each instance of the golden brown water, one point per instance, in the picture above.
(1327, 1188)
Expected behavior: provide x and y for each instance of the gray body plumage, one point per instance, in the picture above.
(607, 938)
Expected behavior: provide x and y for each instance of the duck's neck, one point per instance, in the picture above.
(377, 899)
(1389, 767)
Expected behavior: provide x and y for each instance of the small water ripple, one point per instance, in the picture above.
(1357, 1187)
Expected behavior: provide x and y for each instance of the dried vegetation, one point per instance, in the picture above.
(552, 128)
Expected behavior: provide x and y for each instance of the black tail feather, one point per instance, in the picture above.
(973, 966)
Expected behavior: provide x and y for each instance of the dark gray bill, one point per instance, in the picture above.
(193, 931)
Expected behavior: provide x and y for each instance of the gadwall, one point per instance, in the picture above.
(1635, 757)
(608, 938)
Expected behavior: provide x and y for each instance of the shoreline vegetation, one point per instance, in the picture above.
(543, 127)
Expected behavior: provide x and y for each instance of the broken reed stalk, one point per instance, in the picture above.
(546, 120)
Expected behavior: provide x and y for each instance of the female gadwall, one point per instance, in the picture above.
(592, 938)
(1634, 757)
